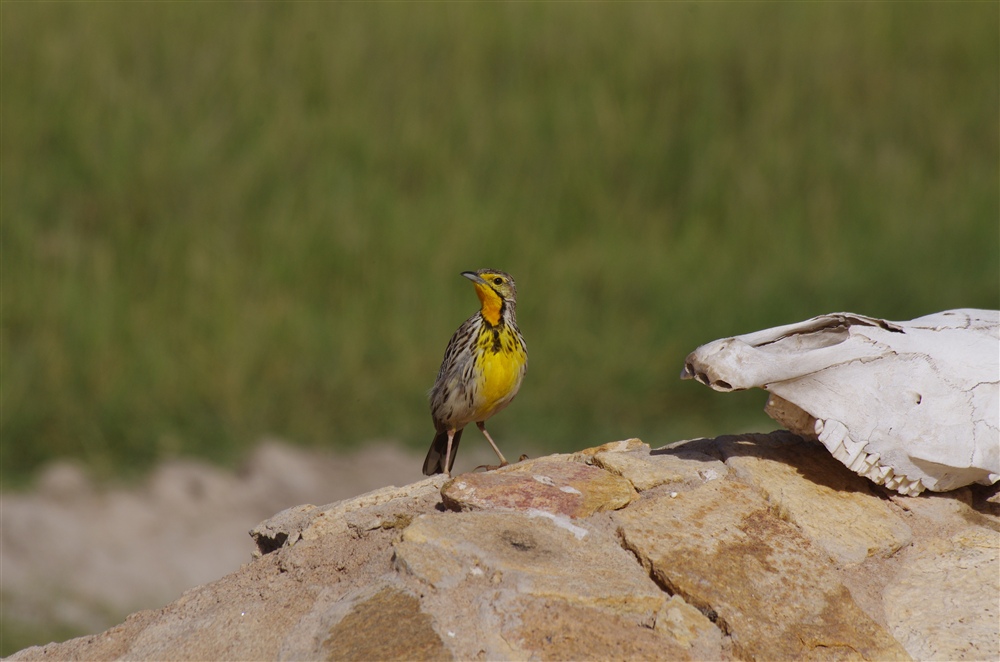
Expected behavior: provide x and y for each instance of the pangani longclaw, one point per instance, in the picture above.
(482, 369)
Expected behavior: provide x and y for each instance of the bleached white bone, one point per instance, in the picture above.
(911, 405)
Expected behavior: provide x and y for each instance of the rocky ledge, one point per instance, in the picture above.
(739, 547)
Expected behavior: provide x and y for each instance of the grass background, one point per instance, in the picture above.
(228, 220)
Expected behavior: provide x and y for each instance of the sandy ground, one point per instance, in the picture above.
(78, 558)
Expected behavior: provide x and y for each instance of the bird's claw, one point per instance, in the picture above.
(491, 467)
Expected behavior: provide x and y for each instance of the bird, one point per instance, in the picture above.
(482, 370)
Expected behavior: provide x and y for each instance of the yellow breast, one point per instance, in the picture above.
(499, 377)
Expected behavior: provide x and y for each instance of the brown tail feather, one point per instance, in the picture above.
(434, 462)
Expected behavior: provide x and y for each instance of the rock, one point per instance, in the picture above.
(689, 627)
(545, 557)
(942, 605)
(285, 528)
(833, 507)
(413, 636)
(741, 547)
(384, 508)
(552, 630)
(549, 484)
(620, 446)
(722, 549)
(79, 557)
(645, 470)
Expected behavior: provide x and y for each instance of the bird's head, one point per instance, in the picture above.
(495, 289)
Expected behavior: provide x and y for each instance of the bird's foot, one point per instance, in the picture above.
(491, 467)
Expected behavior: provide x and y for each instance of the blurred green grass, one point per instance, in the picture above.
(226, 220)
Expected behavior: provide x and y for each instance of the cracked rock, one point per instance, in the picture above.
(756, 547)
(833, 507)
(722, 549)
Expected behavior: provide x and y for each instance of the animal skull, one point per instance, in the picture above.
(910, 405)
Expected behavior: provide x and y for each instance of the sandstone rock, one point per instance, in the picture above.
(553, 485)
(833, 507)
(621, 446)
(646, 470)
(723, 550)
(779, 554)
(384, 508)
(546, 557)
(942, 605)
(690, 628)
(353, 637)
(79, 557)
(284, 528)
(551, 630)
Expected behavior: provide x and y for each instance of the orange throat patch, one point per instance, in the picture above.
(492, 303)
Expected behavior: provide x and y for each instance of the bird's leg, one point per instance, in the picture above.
(482, 427)
(447, 454)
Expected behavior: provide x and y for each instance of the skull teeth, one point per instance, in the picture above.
(853, 456)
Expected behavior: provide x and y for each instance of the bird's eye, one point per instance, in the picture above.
(497, 280)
